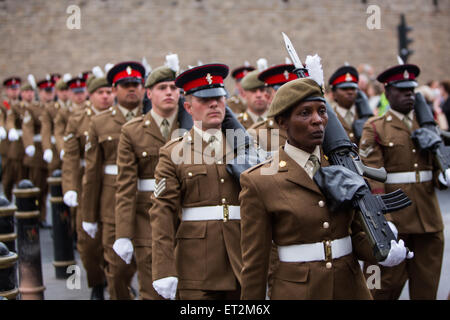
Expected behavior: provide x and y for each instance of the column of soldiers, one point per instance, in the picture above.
(155, 198)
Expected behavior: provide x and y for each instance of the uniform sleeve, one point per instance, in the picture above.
(28, 129)
(126, 182)
(11, 120)
(163, 216)
(60, 125)
(71, 163)
(256, 241)
(360, 243)
(46, 130)
(371, 154)
(92, 180)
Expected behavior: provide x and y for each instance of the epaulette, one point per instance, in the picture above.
(259, 165)
(173, 141)
(375, 118)
(134, 120)
(243, 116)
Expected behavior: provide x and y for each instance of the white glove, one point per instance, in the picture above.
(90, 228)
(70, 198)
(12, 135)
(3, 133)
(394, 229)
(48, 155)
(397, 254)
(30, 151)
(61, 154)
(445, 178)
(124, 249)
(166, 287)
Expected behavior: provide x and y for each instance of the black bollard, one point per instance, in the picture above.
(8, 273)
(28, 243)
(62, 230)
(7, 234)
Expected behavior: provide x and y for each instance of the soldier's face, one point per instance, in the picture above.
(164, 96)
(27, 95)
(12, 93)
(345, 97)
(46, 95)
(401, 99)
(257, 100)
(305, 126)
(210, 111)
(78, 97)
(102, 98)
(62, 94)
(129, 94)
(270, 93)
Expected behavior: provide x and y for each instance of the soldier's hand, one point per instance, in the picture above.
(48, 155)
(397, 254)
(70, 198)
(30, 151)
(124, 249)
(166, 287)
(3, 133)
(13, 135)
(61, 154)
(90, 228)
(444, 177)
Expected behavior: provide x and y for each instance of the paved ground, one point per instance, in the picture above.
(58, 289)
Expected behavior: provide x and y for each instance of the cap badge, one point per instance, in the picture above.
(348, 77)
(13, 81)
(78, 82)
(406, 74)
(209, 78)
(286, 74)
(129, 70)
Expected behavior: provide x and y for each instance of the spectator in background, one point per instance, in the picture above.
(445, 100)
(374, 91)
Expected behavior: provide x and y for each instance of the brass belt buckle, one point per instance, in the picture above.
(327, 250)
(226, 213)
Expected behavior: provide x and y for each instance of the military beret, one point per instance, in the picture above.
(400, 76)
(160, 74)
(292, 93)
(61, 85)
(97, 83)
(55, 77)
(12, 82)
(26, 86)
(129, 71)
(344, 77)
(251, 81)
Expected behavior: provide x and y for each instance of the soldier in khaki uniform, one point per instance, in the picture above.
(386, 142)
(138, 154)
(32, 141)
(90, 249)
(237, 102)
(254, 92)
(318, 249)
(344, 83)
(16, 151)
(99, 182)
(195, 216)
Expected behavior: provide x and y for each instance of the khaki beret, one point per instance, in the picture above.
(292, 93)
(160, 74)
(251, 81)
(61, 85)
(97, 83)
(26, 86)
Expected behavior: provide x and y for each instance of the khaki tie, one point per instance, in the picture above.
(316, 164)
(129, 116)
(165, 129)
(349, 117)
(407, 122)
(260, 119)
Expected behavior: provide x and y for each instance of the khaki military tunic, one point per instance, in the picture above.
(268, 135)
(5, 106)
(138, 154)
(245, 119)
(91, 250)
(348, 128)
(386, 142)
(288, 208)
(204, 255)
(48, 133)
(236, 104)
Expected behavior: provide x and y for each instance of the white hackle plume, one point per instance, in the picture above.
(246, 64)
(172, 62)
(400, 60)
(262, 64)
(47, 77)
(287, 60)
(67, 77)
(346, 63)
(315, 69)
(108, 67)
(190, 67)
(199, 63)
(32, 81)
(147, 66)
(98, 72)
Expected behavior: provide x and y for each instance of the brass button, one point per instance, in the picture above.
(190, 174)
(109, 138)
(415, 165)
(222, 180)
(391, 144)
(389, 118)
(328, 265)
(413, 150)
(326, 225)
(114, 112)
(351, 135)
(144, 154)
(282, 163)
(147, 123)
(224, 200)
(321, 203)
(86, 133)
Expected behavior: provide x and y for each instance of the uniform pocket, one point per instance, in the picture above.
(192, 177)
(291, 282)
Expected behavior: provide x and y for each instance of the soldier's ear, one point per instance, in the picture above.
(149, 94)
(188, 106)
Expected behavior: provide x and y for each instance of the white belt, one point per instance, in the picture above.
(409, 177)
(52, 139)
(19, 132)
(37, 138)
(225, 213)
(82, 163)
(318, 251)
(111, 169)
(146, 185)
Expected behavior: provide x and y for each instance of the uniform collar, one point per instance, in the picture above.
(255, 117)
(206, 135)
(401, 116)
(125, 111)
(300, 156)
(160, 119)
(342, 111)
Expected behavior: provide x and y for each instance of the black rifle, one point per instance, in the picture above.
(364, 113)
(428, 137)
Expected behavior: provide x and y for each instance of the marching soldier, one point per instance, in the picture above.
(32, 141)
(138, 154)
(254, 92)
(344, 84)
(237, 102)
(99, 183)
(195, 216)
(90, 249)
(386, 142)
